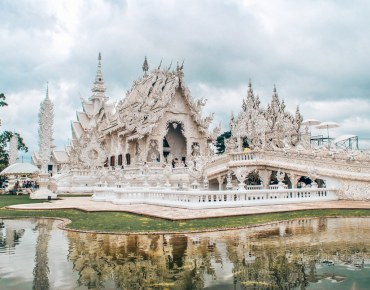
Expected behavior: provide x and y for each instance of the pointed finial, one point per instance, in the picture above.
(274, 90)
(47, 90)
(99, 86)
(99, 60)
(145, 66)
(250, 83)
(168, 69)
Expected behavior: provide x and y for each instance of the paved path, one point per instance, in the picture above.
(86, 204)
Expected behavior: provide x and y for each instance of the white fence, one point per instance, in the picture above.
(211, 199)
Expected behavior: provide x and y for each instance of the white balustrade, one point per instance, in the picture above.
(132, 171)
(179, 170)
(156, 170)
(199, 199)
(253, 187)
(277, 186)
(243, 156)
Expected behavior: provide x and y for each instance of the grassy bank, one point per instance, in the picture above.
(7, 199)
(125, 222)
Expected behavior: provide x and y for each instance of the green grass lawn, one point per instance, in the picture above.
(125, 222)
(7, 199)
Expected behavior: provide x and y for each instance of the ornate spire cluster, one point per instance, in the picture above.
(99, 85)
(271, 127)
(46, 122)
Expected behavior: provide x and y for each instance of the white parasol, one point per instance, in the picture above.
(327, 126)
(21, 169)
(311, 122)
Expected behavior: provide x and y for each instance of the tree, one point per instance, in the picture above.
(220, 142)
(2, 100)
(5, 139)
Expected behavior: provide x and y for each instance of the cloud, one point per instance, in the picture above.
(314, 51)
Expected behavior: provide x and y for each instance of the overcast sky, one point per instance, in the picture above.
(316, 52)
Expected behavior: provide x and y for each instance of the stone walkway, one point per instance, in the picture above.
(170, 213)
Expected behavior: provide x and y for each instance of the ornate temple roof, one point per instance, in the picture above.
(77, 129)
(149, 98)
(99, 86)
(60, 156)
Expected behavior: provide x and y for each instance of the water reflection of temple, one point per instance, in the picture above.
(41, 268)
(133, 262)
(26, 240)
(10, 237)
(281, 255)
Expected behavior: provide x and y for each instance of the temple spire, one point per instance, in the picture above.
(46, 123)
(99, 86)
(274, 93)
(47, 90)
(146, 66)
(250, 89)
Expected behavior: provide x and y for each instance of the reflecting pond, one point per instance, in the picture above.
(325, 253)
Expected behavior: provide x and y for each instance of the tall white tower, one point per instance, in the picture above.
(46, 122)
(13, 149)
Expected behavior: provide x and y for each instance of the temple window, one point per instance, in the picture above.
(128, 159)
(112, 160)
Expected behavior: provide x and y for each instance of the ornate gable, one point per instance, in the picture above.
(152, 96)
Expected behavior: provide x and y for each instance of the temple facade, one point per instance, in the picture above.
(158, 121)
(154, 146)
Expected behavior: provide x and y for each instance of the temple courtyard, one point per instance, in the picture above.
(171, 213)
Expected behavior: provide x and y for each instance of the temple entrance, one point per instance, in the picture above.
(174, 145)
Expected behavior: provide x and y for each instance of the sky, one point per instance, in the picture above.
(317, 53)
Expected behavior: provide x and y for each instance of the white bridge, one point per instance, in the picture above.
(347, 171)
(334, 175)
(199, 199)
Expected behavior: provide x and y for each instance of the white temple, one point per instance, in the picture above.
(153, 146)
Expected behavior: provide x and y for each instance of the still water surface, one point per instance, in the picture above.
(325, 253)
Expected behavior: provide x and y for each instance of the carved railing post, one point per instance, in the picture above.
(265, 176)
(205, 183)
(220, 180)
(241, 174)
(280, 176)
(229, 185)
(293, 179)
(312, 174)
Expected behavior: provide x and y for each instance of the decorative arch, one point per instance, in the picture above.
(92, 153)
(175, 142)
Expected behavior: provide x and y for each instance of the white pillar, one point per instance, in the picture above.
(220, 180)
